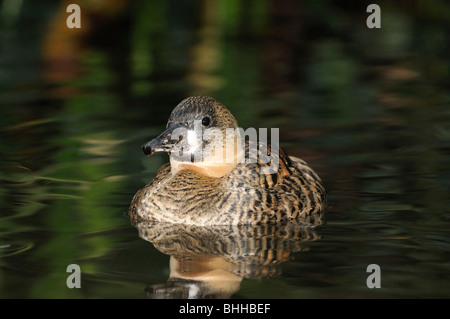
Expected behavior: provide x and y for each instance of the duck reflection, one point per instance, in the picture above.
(211, 262)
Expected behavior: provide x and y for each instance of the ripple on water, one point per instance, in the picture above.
(16, 248)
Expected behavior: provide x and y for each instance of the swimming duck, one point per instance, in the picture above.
(224, 179)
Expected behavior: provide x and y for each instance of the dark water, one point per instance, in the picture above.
(368, 109)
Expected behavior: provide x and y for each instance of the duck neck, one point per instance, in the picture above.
(206, 169)
(216, 164)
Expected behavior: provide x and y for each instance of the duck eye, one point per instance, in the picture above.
(206, 120)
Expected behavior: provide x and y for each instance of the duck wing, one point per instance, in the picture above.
(274, 187)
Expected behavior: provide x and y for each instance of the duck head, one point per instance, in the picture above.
(201, 135)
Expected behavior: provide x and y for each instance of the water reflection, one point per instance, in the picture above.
(211, 262)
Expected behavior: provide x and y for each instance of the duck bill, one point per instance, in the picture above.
(164, 142)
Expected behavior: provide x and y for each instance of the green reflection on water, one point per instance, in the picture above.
(71, 194)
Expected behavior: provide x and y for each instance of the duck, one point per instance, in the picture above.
(219, 176)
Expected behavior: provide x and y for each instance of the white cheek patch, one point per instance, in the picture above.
(194, 141)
